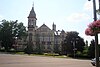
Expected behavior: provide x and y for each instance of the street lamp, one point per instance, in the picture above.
(74, 40)
(96, 35)
(74, 49)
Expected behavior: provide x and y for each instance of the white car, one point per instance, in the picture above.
(93, 61)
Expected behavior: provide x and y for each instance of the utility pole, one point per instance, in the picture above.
(96, 35)
(99, 5)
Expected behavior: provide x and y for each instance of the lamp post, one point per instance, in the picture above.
(74, 40)
(74, 49)
(96, 36)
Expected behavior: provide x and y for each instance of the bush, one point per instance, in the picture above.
(79, 53)
(28, 50)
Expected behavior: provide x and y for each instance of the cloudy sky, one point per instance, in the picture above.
(69, 15)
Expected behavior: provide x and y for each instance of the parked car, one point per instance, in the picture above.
(93, 61)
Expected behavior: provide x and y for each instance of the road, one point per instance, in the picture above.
(8, 60)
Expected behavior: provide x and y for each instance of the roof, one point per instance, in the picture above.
(43, 26)
(32, 13)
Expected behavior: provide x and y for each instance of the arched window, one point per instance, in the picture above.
(30, 36)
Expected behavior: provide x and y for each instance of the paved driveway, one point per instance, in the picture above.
(8, 60)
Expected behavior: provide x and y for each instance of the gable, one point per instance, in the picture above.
(44, 28)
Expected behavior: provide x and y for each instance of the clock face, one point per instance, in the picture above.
(31, 23)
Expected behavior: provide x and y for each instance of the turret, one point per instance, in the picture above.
(54, 27)
(32, 19)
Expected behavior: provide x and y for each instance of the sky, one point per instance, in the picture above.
(69, 15)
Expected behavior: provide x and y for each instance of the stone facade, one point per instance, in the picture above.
(48, 40)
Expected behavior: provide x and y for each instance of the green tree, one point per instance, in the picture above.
(9, 31)
(86, 43)
(91, 50)
(85, 51)
(21, 30)
(72, 42)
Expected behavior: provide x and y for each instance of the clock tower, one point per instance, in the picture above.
(32, 27)
(32, 19)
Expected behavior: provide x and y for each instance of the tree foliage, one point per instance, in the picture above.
(9, 31)
(72, 41)
(91, 50)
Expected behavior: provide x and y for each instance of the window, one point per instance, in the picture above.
(30, 36)
(48, 47)
(49, 43)
(43, 42)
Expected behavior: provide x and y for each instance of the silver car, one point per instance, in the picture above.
(93, 61)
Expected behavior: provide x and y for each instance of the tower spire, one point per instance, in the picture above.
(32, 18)
(33, 4)
(32, 12)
